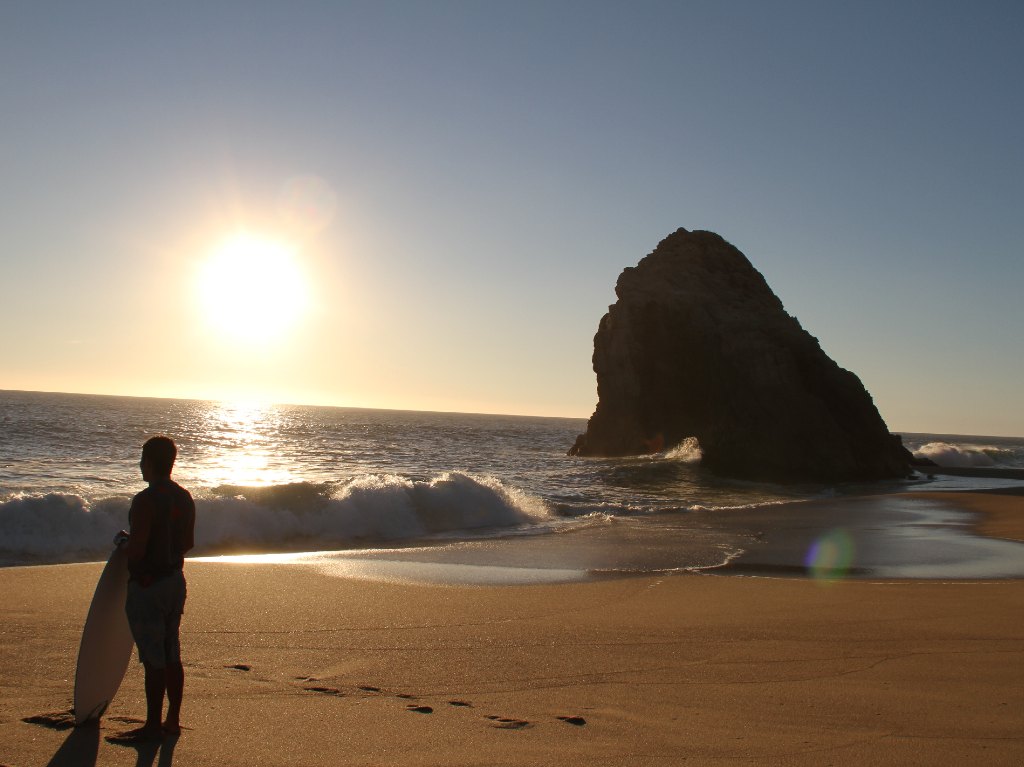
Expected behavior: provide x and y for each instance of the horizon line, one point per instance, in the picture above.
(414, 410)
(268, 402)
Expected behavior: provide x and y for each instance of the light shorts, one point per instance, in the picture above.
(154, 615)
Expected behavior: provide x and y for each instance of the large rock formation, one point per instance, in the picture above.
(697, 345)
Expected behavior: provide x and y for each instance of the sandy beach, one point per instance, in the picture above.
(287, 664)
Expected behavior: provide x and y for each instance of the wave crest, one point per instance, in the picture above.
(58, 527)
(63, 528)
(960, 456)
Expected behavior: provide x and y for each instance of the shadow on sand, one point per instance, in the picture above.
(81, 749)
(147, 752)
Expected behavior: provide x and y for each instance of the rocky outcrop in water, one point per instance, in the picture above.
(698, 345)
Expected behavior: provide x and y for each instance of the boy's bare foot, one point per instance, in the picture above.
(171, 728)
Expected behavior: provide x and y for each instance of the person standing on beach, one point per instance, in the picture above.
(162, 528)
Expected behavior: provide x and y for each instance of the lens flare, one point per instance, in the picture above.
(830, 557)
(307, 204)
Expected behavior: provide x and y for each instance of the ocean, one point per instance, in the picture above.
(403, 486)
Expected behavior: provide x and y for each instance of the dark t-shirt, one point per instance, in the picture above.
(173, 514)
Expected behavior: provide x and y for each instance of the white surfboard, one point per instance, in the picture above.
(106, 646)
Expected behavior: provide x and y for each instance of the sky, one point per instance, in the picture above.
(439, 196)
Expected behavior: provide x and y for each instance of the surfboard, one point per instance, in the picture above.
(106, 646)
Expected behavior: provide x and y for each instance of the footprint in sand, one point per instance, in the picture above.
(419, 709)
(239, 667)
(578, 721)
(402, 695)
(460, 703)
(326, 691)
(504, 723)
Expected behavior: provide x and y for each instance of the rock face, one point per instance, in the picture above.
(698, 345)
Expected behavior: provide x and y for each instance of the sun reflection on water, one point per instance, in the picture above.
(244, 452)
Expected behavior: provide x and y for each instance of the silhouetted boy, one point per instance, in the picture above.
(162, 527)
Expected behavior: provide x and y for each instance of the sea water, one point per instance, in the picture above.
(379, 486)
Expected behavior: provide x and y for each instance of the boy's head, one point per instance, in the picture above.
(159, 453)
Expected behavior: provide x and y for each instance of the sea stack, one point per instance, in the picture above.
(697, 345)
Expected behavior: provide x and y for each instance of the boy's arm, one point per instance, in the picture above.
(140, 523)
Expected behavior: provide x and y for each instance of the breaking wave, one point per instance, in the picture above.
(36, 529)
(965, 456)
(687, 451)
(57, 527)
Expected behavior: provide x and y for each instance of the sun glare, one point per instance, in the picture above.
(252, 289)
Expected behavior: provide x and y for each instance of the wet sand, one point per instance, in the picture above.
(963, 535)
(895, 536)
(288, 665)
(998, 515)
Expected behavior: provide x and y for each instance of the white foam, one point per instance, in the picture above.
(687, 451)
(344, 565)
(58, 527)
(945, 454)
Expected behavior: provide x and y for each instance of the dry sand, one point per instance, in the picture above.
(690, 669)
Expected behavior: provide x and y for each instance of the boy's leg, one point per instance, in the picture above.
(175, 676)
(147, 628)
(156, 685)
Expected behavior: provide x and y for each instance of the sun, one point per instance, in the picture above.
(252, 289)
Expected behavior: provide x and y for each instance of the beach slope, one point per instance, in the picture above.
(288, 665)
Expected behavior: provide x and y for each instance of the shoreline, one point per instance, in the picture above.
(894, 536)
(969, 534)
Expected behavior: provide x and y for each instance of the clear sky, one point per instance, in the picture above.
(455, 186)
